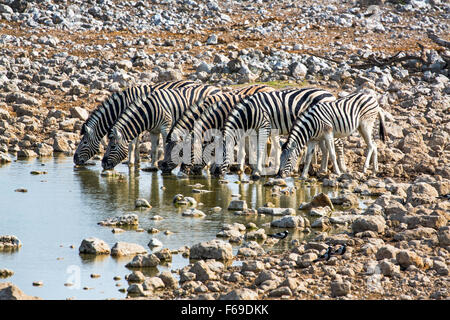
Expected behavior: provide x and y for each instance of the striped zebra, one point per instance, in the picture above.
(328, 120)
(155, 113)
(181, 131)
(105, 116)
(263, 112)
(209, 125)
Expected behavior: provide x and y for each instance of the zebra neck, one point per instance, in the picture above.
(106, 115)
(302, 133)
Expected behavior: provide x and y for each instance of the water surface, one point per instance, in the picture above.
(63, 206)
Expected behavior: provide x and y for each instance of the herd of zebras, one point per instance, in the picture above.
(190, 115)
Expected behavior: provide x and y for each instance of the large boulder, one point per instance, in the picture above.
(289, 222)
(143, 261)
(320, 200)
(214, 249)
(9, 243)
(79, 113)
(369, 223)
(386, 252)
(276, 211)
(126, 249)
(169, 280)
(237, 205)
(124, 220)
(202, 271)
(444, 236)
(340, 288)
(405, 258)
(94, 246)
(240, 294)
(421, 193)
(9, 291)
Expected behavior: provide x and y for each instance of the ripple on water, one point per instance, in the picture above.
(57, 213)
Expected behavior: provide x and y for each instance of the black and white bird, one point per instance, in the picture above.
(326, 256)
(341, 250)
(279, 235)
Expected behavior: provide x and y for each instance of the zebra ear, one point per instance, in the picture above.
(115, 133)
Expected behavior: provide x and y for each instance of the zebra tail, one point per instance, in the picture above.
(382, 126)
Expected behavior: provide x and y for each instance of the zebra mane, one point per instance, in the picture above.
(95, 115)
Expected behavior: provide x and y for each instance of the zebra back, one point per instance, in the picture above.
(343, 115)
(106, 114)
(215, 116)
(187, 122)
(163, 105)
(279, 108)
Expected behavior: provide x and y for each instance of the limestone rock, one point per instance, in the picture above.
(320, 200)
(9, 243)
(240, 294)
(214, 249)
(144, 261)
(94, 246)
(405, 258)
(369, 223)
(126, 249)
(289, 222)
(124, 220)
(340, 288)
(142, 203)
(237, 205)
(9, 291)
(421, 193)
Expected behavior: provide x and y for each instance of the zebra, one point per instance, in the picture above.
(327, 120)
(265, 111)
(213, 119)
(155, 113)
(101, 120)
(182, 129)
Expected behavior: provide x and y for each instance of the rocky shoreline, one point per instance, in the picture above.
(62, 58)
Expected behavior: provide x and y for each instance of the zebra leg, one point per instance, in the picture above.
(365, 129)
(228, 152)
(154, 139)
(311, 146)
(339, 143)
(241, 153)
(315, 156)
(330, 145)
(269, 147)
(137, 158)
(132, 151)
(324, 163)
(263, 136)
(276, 153)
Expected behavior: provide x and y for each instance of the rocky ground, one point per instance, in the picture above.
(60, 59)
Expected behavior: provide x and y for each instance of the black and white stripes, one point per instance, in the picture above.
(105, 116)
(180, 134)
(264, 112)
(155, 113)
(328, 120)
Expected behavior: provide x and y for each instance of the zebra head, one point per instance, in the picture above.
(88, 147)
(116, 151)
(288, 159)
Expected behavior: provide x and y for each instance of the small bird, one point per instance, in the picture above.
(326, 256)
(341, 250)
(279, 235)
